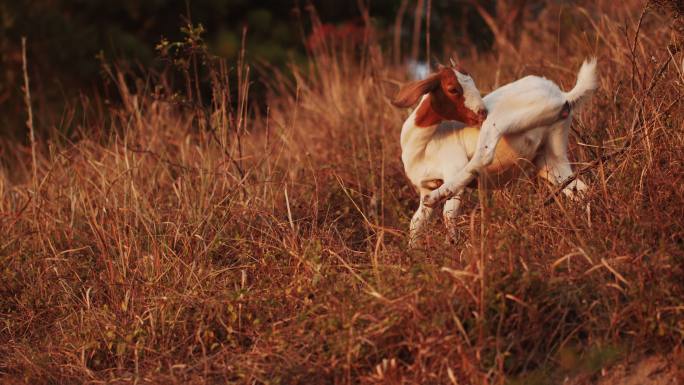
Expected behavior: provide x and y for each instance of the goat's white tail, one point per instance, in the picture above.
(586, 83)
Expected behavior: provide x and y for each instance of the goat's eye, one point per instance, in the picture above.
(453, 90)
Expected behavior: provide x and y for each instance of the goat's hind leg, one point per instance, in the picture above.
(553, 164)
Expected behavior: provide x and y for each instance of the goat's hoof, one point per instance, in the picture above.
(576, 193)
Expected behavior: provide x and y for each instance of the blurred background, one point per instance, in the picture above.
(69, 40)
(67, 35)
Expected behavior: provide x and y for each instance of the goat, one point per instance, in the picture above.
(527, 121)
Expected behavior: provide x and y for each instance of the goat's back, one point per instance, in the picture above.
(523, 92)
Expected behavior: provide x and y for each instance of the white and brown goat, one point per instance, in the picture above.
(453, 135)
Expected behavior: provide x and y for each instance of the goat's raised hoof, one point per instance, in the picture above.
(431, 184)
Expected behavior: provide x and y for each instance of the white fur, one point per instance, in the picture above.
(471, 94)
(526, 112)
(586, 82)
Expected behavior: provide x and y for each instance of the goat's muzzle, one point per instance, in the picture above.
(565, 111)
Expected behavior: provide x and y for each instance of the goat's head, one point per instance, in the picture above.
(453, 96)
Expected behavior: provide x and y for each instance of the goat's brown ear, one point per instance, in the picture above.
(409, 94)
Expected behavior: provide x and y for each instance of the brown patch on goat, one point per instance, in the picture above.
(409, 94)
(426, 115)
(445, 100)
(439, 107)
(431, 184)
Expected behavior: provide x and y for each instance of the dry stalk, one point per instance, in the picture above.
(29, 120)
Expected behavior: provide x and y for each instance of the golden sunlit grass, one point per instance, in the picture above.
(181, 243)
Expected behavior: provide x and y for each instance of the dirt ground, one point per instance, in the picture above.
(650, 370)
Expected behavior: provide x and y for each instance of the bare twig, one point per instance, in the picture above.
(658, 74)
(397, 30)
(635, 69)
(29, 120)
(427, 32)
(417, 25)
(501, 40)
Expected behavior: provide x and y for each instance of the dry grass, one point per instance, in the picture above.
(175, 244)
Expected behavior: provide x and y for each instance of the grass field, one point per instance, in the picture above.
(168, 241)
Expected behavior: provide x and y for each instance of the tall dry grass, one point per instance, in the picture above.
(186, 243)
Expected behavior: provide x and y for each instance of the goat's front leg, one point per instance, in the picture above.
(553, 163)
(450, 213)
(484, 155)
(420, 218)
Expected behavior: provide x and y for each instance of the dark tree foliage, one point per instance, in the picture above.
(68, 39)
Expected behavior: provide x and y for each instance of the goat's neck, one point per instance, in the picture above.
(415, 138)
